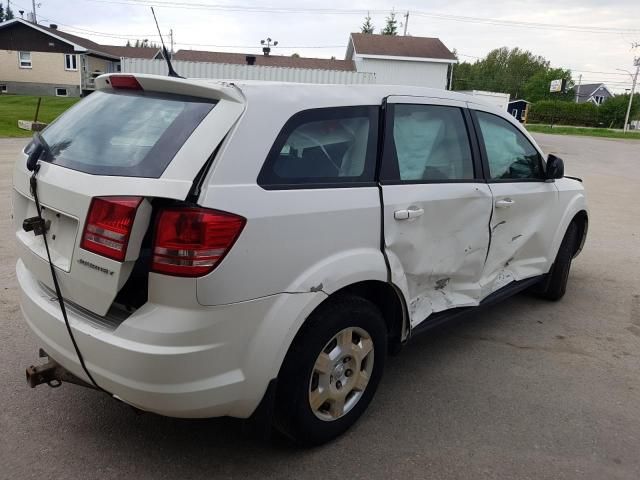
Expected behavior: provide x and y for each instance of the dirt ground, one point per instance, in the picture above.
(525, 390)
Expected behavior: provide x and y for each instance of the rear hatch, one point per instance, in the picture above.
(134, 140)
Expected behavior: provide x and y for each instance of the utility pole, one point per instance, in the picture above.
(406, 22)
(633, 89)
(578, 89)
(33, 4)
(171, 40)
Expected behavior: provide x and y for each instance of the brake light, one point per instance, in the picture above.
(108, 226)
(191, 242)
(125, 82)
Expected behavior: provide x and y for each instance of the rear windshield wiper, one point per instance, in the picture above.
(37, 149)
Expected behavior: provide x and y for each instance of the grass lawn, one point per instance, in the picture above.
(590, 132)
(23, 107)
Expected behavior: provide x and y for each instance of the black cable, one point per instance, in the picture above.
(34, 191)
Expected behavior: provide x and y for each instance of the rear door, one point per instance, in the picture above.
(148, 140)
(437, 206)
(524, 203)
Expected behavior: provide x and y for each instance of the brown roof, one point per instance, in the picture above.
(131, 52)
(396, 46)
(270, 61)
(111, 50)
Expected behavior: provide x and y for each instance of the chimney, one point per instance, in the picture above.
(251, 59)
(53, 26)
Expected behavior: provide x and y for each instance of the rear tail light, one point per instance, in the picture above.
(191, 242)
(108, 226)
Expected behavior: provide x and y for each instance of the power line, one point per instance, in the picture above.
(335, 11)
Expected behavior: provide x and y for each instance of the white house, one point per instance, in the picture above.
(400, 60)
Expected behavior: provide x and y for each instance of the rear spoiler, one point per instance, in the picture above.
(178, 86)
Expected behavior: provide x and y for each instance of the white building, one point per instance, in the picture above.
(400, 60)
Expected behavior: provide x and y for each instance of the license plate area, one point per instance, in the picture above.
(61, 234)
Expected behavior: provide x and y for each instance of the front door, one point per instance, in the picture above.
(524, 204)
(437, 207)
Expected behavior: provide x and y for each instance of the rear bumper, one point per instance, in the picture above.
(172, 361)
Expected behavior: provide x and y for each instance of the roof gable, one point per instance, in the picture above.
(368, 44)
(81, 44)
(54, 33)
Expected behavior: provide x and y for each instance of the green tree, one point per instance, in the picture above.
(536, 88)
(295, 55)
(614, 109)
(128, 43)
(367, 26)
(8, 13)
(1, 13)
(391, 27)
(503, 70)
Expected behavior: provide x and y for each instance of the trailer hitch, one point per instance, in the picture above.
(53, 374)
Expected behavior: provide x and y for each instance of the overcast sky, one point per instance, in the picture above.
(207, 29)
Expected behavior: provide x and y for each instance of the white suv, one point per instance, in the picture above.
(235, 248)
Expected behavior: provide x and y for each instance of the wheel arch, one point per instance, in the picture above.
(581, 219)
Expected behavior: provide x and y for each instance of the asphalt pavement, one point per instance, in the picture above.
(527, 389)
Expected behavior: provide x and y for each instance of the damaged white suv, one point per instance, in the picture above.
(234, 249)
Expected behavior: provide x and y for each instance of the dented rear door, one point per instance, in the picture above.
(437, 207)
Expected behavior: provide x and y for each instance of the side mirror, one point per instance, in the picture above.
(555, 167)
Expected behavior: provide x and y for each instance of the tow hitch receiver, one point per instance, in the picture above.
(53, 374)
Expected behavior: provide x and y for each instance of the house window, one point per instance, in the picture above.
(70, 61)
(599, 99)
(3, 89)
(514, 112)
(25, 59)
(61, 92)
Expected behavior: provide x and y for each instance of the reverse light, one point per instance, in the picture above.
(108, 226)
(191, 242)
(125, 82)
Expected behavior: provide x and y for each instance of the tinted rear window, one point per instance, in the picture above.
(124, 134)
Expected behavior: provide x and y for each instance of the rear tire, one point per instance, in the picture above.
(555, 285)
(336, 363)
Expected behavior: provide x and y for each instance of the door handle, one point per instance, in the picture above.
(408, 213)
(504, 203)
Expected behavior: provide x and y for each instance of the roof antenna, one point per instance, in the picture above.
(165, 53)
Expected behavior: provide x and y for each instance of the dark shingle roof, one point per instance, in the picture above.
(397, 46)
(269, 61)
(586, 89)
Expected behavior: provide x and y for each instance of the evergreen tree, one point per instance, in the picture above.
(137, 44)
(367, 26)
(1, 13)
(9, 13)
(295, 55)
(128, 43)
(391, 28)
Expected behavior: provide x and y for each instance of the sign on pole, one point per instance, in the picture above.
(557, 85)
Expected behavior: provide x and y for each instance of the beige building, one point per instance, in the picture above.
(40, 60)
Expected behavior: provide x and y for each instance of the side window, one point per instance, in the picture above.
(323, 147)
(426, 143)
(509, 153)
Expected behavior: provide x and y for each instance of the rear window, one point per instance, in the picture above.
(124, 134)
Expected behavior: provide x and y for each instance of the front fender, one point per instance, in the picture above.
(574, 202)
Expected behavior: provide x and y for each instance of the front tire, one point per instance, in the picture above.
(555, 285)
(331, 371)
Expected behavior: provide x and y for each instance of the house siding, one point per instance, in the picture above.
(46, 73)
(402, 72)
(22, 37)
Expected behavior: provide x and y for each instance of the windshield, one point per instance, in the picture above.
(124, 134)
